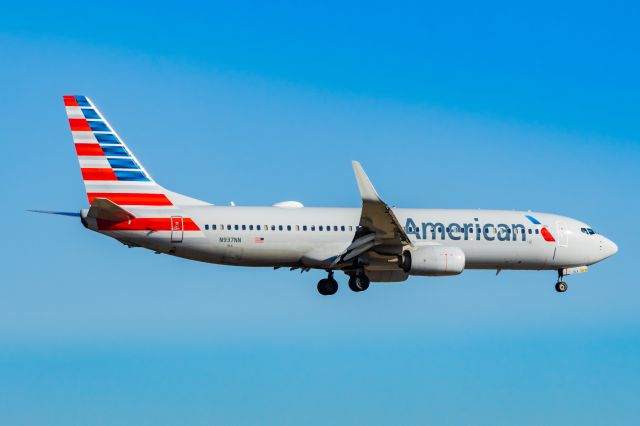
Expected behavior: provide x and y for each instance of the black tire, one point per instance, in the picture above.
(561, 287)
(327, 286)
(362, 282)
(359, 283)
(352, 284)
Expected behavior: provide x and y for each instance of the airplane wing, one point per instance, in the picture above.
(379, 228)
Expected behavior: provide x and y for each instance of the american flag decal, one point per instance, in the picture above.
(259, 240)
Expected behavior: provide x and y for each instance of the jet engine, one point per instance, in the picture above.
(433, 261)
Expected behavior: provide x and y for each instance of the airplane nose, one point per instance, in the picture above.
(609, 248)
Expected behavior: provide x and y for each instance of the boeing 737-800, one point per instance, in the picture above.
(374, 243)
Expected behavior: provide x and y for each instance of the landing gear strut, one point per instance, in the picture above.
(328, 286)
(359, 282)
(561, 286)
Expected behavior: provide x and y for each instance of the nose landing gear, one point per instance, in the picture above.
(561, 286)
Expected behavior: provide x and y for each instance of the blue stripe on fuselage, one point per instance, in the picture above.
(533, 219)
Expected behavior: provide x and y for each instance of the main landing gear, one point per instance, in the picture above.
(358, 282)
(329, 286)
(561, 286)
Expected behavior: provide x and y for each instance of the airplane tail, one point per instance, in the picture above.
(109, 168)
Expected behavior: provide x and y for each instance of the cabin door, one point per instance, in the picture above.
(563, 237)
(177, 229)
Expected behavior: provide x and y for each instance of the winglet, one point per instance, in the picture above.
(367, 191)
(103, 208)
(376, 215)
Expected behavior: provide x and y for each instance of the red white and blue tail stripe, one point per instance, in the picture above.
(109, 168)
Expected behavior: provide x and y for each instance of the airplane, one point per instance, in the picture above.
(373, 243)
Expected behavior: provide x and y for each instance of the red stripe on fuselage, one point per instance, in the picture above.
(547, 235)
(70, 101)
(79, 124)
(98, 174)
(89, 149)
(146, 224)
(132, 199)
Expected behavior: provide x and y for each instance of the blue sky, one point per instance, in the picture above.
(461, 106)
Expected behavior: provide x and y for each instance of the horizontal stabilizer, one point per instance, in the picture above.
(70, 214)
(102, 208)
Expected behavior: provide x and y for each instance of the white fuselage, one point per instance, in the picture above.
(305, 237)
(374, 243)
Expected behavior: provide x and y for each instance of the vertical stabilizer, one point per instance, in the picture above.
(109, 168)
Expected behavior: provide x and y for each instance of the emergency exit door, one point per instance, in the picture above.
(177, 230)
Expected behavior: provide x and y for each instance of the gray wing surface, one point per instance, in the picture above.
(380, 234)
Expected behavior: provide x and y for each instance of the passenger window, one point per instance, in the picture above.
(228, 227)
(304, 227)
(320, 228)
(273, 227)
(342, 228)
(297, 227)
(206, 227)
(258, 227)
(537, 231)
(250, 227)
(280, 228)
(288, 227)
(328, 228)
(213, 227)
(244, 227)
(235, 227)
(313, 227)
(529, 231)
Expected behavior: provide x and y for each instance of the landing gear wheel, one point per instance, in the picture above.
(327, 286)
(561, 287)
(358, 282)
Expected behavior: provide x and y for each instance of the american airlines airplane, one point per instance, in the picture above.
(374, 243)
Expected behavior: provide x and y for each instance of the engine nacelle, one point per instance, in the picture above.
(433, 260)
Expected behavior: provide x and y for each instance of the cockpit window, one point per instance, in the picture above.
(588, 231)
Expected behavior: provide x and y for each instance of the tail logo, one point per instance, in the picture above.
(109, 168)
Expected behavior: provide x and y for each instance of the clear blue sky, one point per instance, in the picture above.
(464, 105)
